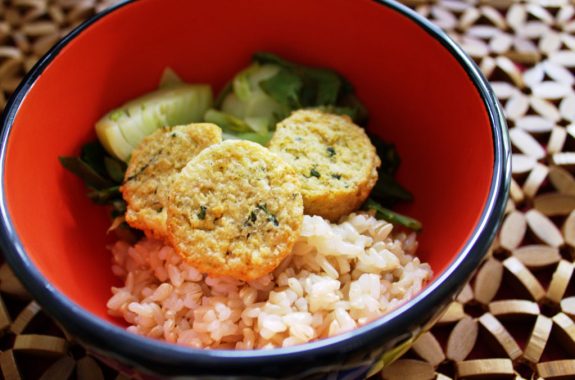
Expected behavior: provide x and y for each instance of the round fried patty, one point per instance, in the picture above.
(152, 167)
(236, 210)
(334, 158)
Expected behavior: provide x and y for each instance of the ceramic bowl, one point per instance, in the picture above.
(423, 94)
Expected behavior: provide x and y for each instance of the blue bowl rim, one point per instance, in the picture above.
(140, 350)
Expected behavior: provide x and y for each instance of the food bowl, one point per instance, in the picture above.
(423, 94)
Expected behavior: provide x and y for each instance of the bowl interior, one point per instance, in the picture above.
(417, 94)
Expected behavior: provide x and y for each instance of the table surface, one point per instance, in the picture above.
(515, 319)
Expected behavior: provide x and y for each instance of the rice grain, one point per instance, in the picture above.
(338, 277)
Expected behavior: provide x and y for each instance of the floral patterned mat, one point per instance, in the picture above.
(516, 318)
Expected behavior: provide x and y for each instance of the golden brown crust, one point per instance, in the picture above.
(334, 158)
(236, 210)
(152, 166)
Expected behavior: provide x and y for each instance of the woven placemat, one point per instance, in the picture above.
(515, 319)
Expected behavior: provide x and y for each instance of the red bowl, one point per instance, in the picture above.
(423, 94)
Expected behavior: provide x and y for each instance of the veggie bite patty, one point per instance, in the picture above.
(334, 158)
(236, 210)
(152, 167)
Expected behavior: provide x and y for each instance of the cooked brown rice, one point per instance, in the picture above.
(338, 277)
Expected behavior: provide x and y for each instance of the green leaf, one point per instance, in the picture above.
(263, 57)
(105, 196)
(169, 78)
(327, 84)
(388, 191)
(241, 83)
(90, 176)
(351, 102)
(346, 87)
(318, 87)
(259, 124)
(261, 139)
(392, 216)
(337, 110)
(116, 169)
(284, 88)
(226, 122)
(93, 155)
(387, 153)
(228, 88)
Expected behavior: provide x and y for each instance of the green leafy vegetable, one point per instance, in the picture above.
(388, 154)
(355, 113)
(328, 85)
(271, 88)
(228, 88)
(115, 169)
(87, 173)
(247, 108)
(244, 96)
(261, 139)
(226, 122)
(93, 154)
(105, 196)
(298, 86)
(392, 216)
(122, 129)
(102, 174)
(169, 78)
(284, 88)
(258, 124)
(319, 86)
(241, 83)
(263, 57)
(387, 190)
